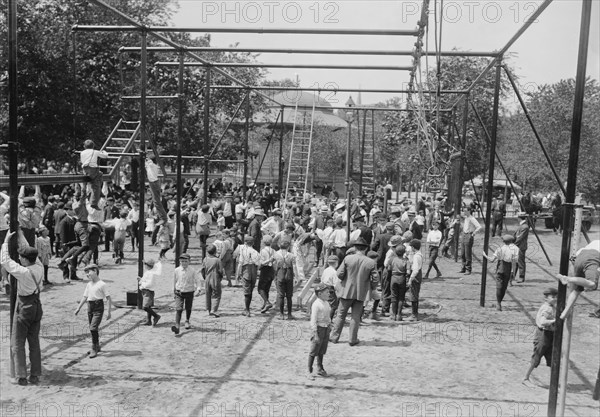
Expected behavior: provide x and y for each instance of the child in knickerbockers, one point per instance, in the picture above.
(544, 335)
(331, 279)
(320, 325)
(44, 248)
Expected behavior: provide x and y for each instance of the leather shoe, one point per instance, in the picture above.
(468, 273)
(354, 343)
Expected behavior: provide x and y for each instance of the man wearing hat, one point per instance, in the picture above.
(506, 268)
(154, 182)
(254, 228)
(203, 227)
(228, 210)
(273, 224)
(28, 310)
(30, 215)
(521, 235)
(341, 212)
(358, 274)
(110, 212)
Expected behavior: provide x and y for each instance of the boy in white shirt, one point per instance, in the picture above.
(95, 293)
(434, 238)
(147, 285)
(320, 325)
(332, 281)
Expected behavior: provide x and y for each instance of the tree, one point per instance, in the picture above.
(551, 108)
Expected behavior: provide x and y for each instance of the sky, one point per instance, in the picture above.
(546, 53)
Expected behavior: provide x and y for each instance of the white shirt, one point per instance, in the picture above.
(320, 314)
(330, 278)
(471, 225)
(151, 171)
(434, 237)
(134, 215)
(89, 157)
(25, 282)
(147, 281)
(338, 238)
(95, 291)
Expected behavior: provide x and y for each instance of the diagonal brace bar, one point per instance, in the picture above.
(488, 139)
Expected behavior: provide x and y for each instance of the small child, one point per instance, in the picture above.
(44, 248)
(226, 256)
(332, 281)
(449, 243)
(416, 277)
(373, 294)
(220, 220)
(186, 285)
(506, 267)
(434, 239)
(213, 274)
(266, 273)
(544, 335)
(320, 325)
(248, 260)
(147, 286)
(120, 225)
(95, 293)
(399, 272)
(284, 274)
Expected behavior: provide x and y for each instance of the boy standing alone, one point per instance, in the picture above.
(320, 325)
(95, 293)
(544, 335)
(186, 284)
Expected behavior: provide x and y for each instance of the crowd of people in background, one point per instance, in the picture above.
(256, 237)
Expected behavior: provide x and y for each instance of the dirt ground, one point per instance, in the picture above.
(460, 359)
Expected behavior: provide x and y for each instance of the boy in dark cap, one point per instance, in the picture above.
(28, 310)
(416, 277)
(507, 256)
(544, 335)
(284, 275)
(320, 326)
(94, 294)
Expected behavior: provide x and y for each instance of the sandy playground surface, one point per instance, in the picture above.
(460, 360)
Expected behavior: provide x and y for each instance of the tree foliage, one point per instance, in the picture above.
(551, 108)
(65, 98)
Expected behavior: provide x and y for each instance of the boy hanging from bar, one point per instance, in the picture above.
(587, 273)
(89, 161)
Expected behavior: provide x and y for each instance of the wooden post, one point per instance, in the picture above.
(143, 131)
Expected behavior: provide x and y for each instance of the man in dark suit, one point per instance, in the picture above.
(358, 274)
(380, 245)
(521, 236)
(254, 228)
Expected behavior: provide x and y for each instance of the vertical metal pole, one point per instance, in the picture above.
(143, 132)
(362, 150)
(584, 34)
(461, 169)
(180, 100)
(246, 139)
(280, 165)
(13, 142)
(206, 133)
(348, 148)
(490, 189)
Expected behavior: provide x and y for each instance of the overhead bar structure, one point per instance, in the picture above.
(335, 89)
(309, 51)
(282, 31)
(305, 66)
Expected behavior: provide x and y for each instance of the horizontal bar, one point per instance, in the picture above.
(365, 108)
(43, 179)
(259, 65)
(133, 154)
(306, 51)
(168, 41)
(149, 97)
(287, 31)
(335, 90)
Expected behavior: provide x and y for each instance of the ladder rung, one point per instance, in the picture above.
(105, 166)
(126, 130)
(115, 148)
(128, 139)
